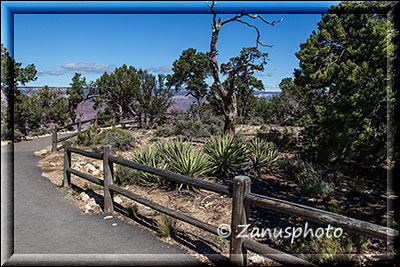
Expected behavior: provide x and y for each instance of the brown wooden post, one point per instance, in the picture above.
(54, 138)
(108, 179)
(79, 126)
(240, 213)
(67, 163)
(95, 121)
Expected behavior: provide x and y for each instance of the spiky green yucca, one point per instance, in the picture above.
(226, 154)
(149, 157)
(264, 155)
(182, 158)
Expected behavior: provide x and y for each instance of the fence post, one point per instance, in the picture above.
(67, 163)
(79, 125)
(113, 121)
(95, 121)
(241, 187)
(108, 179)
(54, 138)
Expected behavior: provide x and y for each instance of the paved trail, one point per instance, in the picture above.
(45, 224)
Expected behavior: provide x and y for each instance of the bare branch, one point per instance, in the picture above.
(265, 21)
(258, 32)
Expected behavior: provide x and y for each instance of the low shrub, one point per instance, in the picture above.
(307, 177)
(226, 154)
(207, 126)
(88, 137)
(93, 137)
(285, 141)
(263, 155)
(164, 131)
(41, 131)
(118, 139)
(327, 249)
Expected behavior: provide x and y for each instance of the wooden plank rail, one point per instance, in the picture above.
(241, 195)
(62, 139)
(218, 188)
(274, 254)
(324, 217)
(90, 154)
(188, 219)
(85, 176)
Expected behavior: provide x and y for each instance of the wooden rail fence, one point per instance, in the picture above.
(242, 198)
(54, 131)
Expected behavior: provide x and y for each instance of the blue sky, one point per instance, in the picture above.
(62, 44)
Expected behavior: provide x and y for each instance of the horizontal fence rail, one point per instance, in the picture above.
(62, 139)
(55, 129)
(86, 176)
(324, 217)
(241, 196)
(188, 219)
(90, 154)
(218, 188)
(273, 254)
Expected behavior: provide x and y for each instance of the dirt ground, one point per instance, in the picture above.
(206, 206)
(369, 204)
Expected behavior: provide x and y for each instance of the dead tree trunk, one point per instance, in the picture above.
(226, 96)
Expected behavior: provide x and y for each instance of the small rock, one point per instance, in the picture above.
(118, 200)
(89, 168)
(84, 196)
(344, 190)
(312, 199)
(95, 171)
(114, 224)
(87, 208)
(42, 152)
(256, 259)
(108, 217)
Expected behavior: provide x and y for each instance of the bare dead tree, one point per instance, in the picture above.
(226, 94)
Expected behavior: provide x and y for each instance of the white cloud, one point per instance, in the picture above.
(162, 69)
(51, 72)
(262, 74)
(82, 67)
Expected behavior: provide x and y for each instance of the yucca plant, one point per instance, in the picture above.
(149, 157)
(263, 155)
(182, 158)
(226, 154)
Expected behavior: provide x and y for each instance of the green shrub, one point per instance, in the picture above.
(350, 246)
(208, 126)
(182, 158)
(88, 137)
(307, 177)
(41, 131)
(263, 155)
(226, 154)
(18, 135)
(118, 139)
(149, 157)
(285, 141)
(165, 131)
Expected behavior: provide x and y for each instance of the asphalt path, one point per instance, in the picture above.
(46, 228)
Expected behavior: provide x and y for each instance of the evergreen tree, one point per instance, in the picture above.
(343, 81)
